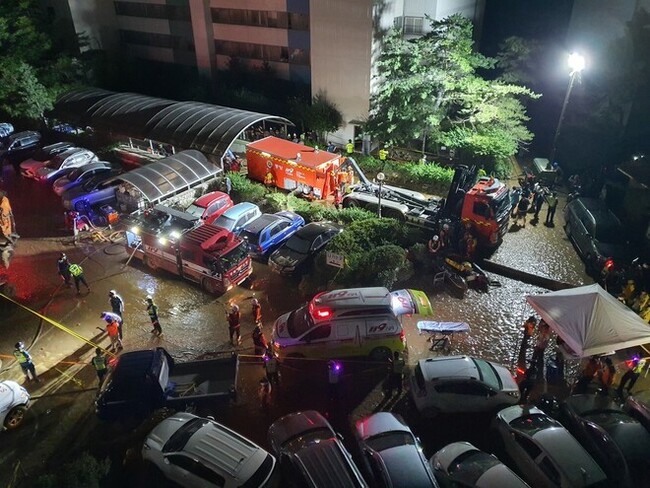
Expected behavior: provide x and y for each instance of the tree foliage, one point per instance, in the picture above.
(430, 87)
(320, 115)
(34, 68)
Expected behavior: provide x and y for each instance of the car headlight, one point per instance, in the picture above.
(514, 394)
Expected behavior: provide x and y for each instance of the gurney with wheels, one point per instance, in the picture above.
(441, 333)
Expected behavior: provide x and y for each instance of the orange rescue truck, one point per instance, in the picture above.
(292, 166)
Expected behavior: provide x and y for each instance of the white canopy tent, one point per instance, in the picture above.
(590, 320)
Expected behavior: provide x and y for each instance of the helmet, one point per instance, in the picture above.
(98, 350)
(102, 315)
(108, 319)
(63, 256)
(20, 345)
(149, 298)
(445, 226)
(235, 307)
(436, 238)
(255, 301)
(112, 293)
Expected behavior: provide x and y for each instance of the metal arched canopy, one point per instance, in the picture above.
(171, 175)
(210, 129)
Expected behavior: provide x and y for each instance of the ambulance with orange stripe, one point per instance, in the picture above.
(348, 323)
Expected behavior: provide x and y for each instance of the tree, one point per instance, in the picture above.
(32, 71)
(428, 88)
(517, 61)
(320, 115)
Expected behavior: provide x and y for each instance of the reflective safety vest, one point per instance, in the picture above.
(99, 362)
(639, 367)
(271, 364)
(383, 154)
(22, 356)
(398, 366)
(76, 270)
(349, 147)
(152, 310)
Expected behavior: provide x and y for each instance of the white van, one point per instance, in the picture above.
(341, 323)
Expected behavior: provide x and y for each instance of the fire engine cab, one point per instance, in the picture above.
(178, 242)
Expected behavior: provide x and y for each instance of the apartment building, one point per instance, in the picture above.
(327, 44)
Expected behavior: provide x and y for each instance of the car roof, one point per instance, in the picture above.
(208, 198)
(20, 135)
(405, 467)
(93, 166)
(326, 464)
(598, 208)
(237, 210)
(449, 367)
(376, 296)
(314, 229)
(261, 222)
(380, 423)
(69, 152)
(295, 424)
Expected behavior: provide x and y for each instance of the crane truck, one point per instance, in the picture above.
(484, 204)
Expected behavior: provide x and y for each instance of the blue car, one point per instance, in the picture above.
(268, 232)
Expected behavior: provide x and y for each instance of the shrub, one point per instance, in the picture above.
(245, 190)
(380, 266)
(84, 472)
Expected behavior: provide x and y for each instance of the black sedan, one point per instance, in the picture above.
(617, 441)
(294, 256)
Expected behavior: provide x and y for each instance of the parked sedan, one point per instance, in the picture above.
(618, 442)
(270, 231)
(79, 175)
(545, 452)
(41, 157)
(98, 189)
(391, 453)
(62, 164)
(461, 384)
(14, 401)
(294, 256)
(197, 452)
(460, 464)
(210, 206)
(638, 405)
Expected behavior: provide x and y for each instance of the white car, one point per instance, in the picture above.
(29, 167)
(460, 464)
(461, 384)
(14, 401)
(79, 175)
(196, 452)
(63, 163)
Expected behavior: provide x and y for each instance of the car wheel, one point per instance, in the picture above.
(15, 417)
(380, 354)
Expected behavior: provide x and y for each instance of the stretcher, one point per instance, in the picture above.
(441, 333)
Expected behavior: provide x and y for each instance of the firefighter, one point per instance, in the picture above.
(64, 269)
(77, 273)
(7, 222)
(268, 179)
(152, 310)
(113, 331)
(342, 179)
(256, 310)
(606, 376)
(99, 363)
(271, 366)
(25, 360)
(349, 147)
(338, 198)
(117, 304)
(234, 324)
(632, 374)
(259, 341)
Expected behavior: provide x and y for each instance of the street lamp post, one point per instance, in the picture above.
(577, 64)
(380, 178)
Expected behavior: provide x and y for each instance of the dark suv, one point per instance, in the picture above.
(595, 231)
(19, 147)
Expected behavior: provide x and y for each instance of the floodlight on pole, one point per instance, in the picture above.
(576, 64)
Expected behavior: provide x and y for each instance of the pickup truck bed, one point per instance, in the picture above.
(209, 377)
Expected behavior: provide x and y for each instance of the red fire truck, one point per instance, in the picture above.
(178, 242)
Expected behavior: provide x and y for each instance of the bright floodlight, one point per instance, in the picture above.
(576, 62)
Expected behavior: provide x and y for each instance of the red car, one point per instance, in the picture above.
(210, 206)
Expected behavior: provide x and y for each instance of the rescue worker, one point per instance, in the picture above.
(349, 147)
(256, 310)
(99, 363)
(63, 267)
(259, 341)
(543, 337)
(551, 201)
(434, 245)
(342, 180)
(396, 374)
(25, 360)
(271, 366)
(113, 316)
(330, 147)
(522, 210)
(445, 236)
(338, 198)
(152, 310)
(264, 394)
(606, 376)
(528, 382)
(529, 330)
(268, 179)
(117, 306)
(628, 292)
(586, 376)
(7, 222)
(481, 172)
(631, 375)
(77, 273)
(113, 331)
(234, 324)
(383, 154)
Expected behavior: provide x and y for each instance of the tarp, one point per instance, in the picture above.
(442, 327)
(590, 320)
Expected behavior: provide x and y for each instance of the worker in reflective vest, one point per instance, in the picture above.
(383, 154)
(271, 366)
(77, 273)
(25, 360)
(152, 310)
(631, 375)
(349, 147)
(99, 363)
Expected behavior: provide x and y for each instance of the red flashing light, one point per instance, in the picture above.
(322, 313)
(609, 264)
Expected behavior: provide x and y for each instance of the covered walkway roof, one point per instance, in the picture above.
(187, 125)
(171, 175)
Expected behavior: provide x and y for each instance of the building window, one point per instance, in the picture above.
(410, 26)
(261, 18)
(264, 52)
(156, 40)
(153, 11)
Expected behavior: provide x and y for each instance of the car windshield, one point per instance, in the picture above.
(299, 322)
(471, 465)
(41, 156)
(225, 222)
(488, 374)
(384, 441)
(195, 210)
(251, 237)
(55, 162)
(298, 244)
(76, 173)
(533, 423)
(178, 440)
